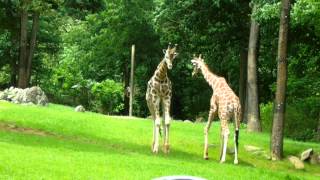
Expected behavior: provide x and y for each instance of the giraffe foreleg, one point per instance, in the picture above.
(206, 133)
(167, 118)
(157, 123)
(152, 112)
(212, 112)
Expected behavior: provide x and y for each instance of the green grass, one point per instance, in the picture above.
(93, 146)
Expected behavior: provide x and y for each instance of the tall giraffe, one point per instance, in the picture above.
(223, 102)
(159, 90)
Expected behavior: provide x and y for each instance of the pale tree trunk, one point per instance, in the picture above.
(22, 75)
(280, 101)
(242, 81)
(318, 129)
(252, 87)
(35, 27)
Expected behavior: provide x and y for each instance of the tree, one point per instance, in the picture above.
(280, 100)
(9, 26)
(27, 48)
(252, 87)
(242, 81)
(22, 75)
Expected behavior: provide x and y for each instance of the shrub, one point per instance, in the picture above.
(300, 119)
(107, 97)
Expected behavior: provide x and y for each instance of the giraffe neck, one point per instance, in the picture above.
(161, 72)
(210, 77)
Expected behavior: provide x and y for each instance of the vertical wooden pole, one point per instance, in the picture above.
(131, 79)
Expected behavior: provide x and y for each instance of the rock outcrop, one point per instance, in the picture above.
(33, 95)
(80, 108)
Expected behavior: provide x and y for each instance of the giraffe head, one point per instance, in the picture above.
(197, 63)
(169, 54)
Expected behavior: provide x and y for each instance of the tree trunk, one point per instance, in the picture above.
(13, 74)
(22, 76)
(126, 89)
(318, 129)
(252, 88)
(280, 101)
(242, 81)
(35, 27)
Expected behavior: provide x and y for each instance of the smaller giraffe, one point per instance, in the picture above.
(223, 102)
(159, 90)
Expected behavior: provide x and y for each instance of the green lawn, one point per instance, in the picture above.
(55, 142)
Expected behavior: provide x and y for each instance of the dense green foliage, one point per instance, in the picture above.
(83, 48)
(55, 142)
(298, 125)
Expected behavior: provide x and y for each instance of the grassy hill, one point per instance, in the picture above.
(55, 142)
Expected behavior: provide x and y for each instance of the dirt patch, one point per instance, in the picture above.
(14, 128)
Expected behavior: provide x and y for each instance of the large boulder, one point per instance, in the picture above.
(305, 155)
(298, 164)
(80, 108)
(33, 95)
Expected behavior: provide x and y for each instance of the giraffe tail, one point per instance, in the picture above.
(237, 119)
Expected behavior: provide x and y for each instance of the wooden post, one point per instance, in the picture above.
(131, 80)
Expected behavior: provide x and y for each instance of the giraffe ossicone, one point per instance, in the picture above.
(159, 92)
(223, 103)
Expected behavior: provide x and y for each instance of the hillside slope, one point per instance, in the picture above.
(55, 142)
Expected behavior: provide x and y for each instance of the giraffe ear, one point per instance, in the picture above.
(164, 51)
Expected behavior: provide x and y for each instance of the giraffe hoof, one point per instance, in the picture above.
(222, 161)
(235, 161)
(206, 158)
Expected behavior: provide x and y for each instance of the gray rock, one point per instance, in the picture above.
(200, 119)
(80, 108)
(25, 96)
(305, 155)
(298, 164)
(251, 148)
(3, 95)
(187, 121)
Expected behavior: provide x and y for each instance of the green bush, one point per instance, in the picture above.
(300, 119)
(107, 97)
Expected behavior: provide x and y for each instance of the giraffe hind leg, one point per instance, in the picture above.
(225, 136)
(236, 135)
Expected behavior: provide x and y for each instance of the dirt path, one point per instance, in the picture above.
(14, 128)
